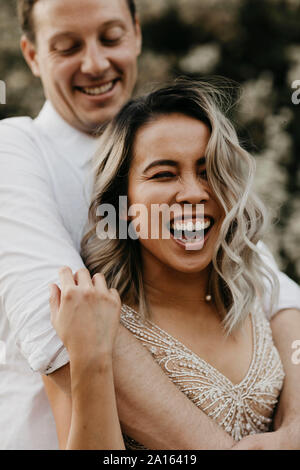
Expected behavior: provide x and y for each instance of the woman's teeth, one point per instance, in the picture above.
(191, 226)
(100, 90)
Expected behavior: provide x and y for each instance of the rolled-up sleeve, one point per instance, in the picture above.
(34, 244)
(288, 296)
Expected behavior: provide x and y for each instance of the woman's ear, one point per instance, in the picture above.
(30, 55)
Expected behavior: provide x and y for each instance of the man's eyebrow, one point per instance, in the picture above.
(106, 24)
(61, 35)
(173, 163)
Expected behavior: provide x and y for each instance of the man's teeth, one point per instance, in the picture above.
(191, 226)
(99, 90)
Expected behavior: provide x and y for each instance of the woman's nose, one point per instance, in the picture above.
(95, 61)
(192, 191)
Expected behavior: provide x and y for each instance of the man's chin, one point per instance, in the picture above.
(92, 124)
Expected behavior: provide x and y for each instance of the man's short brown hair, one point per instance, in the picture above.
(25, 13)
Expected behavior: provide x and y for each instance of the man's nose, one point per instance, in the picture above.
(95, 61)
(192, 191)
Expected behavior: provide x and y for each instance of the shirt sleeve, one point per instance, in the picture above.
(34, 244)
(289, 291)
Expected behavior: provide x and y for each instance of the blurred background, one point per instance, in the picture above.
(253, 42)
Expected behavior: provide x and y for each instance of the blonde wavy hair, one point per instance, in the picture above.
(238, 270)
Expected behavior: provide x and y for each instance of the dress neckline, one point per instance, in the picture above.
(203, 361)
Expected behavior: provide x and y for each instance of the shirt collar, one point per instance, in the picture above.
(64, 135)
(55, 126)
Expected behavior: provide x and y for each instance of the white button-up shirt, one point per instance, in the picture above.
(45, 184)
(45, 187)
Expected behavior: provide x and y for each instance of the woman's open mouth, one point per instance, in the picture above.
(191, 233)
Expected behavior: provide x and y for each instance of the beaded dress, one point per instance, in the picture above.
(240, 409)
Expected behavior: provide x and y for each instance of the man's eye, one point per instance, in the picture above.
(113, 36)
(67, 50)
(163, 174)
(65, 43)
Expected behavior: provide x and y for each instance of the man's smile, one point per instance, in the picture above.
(97, 90)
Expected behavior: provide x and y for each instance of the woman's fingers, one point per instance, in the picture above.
(99, 282)
(83, 278)
(66, 278)
(55, 298)
(101, 286)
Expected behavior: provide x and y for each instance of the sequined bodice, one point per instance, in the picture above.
(241, 409)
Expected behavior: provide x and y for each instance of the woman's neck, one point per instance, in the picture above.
(165, 286)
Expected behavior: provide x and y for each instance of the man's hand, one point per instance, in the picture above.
(283, 439)
(286, 436)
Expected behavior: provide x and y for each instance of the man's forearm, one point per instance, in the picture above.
(286, 436)
(286, 329)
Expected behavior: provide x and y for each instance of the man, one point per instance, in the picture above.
(85, 55)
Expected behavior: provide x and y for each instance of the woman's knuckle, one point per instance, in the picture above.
(64, 269)
(69, 294)
(97, 276)
(105, 296)
(87, 293)
(83, 271)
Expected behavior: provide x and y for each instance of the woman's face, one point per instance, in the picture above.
(169, 168)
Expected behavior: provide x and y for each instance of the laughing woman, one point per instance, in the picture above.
(191, 295)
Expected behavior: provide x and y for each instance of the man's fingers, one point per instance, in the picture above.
(83, 278)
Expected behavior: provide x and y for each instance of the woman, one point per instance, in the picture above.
(192, 293)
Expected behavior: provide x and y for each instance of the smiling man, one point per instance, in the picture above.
(85, 54)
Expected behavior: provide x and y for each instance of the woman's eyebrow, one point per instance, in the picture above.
(173, 163)
(161, 163)
(201, 161)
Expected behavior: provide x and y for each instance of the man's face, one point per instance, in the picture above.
(86, 56)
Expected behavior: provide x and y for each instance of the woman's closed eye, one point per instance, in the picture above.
(70, 51)
(163, 174)
(203, 174)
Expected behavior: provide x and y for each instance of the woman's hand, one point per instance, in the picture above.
(85, 314)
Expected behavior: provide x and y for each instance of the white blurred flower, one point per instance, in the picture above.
(193, 10)
(293, 54)
(152, 9)
(18, 79)
(256, 101)
(154, 68)
(293, 4)
(201, 59)
(291, 239)
(270, 180)
(276, 137)
(216, 16)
